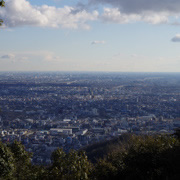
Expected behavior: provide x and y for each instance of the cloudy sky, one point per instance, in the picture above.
(90, 35)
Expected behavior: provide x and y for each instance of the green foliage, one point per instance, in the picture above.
(100, 150)
(6, 162)
(22, 160)
(69, 166)
(104, 170)
(177, 133)
(37, 173)
(1, 21)
(2, 4)
(128, 157)
(143, 158)
(19, 152)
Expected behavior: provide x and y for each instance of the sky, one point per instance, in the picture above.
(90, 35)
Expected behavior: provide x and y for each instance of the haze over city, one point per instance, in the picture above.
(89, 35)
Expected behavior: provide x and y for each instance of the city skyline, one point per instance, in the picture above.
(89, 35)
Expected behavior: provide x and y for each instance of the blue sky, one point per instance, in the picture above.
(90, 35)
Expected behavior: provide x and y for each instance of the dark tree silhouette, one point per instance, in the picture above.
(2, 4)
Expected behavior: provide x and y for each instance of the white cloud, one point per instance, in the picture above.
(98, 42)
(176, 38)
(50, 57)
(127, 11)
(114, 15)
(8, 56)
(155, 18)
(22, 13)
(28, 56)
(14, 57)
(141, 6)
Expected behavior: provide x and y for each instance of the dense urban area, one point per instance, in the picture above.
(46, 110)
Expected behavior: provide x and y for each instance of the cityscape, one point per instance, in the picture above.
(71, 110)
(89, 89)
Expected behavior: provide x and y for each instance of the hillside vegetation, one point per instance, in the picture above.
(126, 157)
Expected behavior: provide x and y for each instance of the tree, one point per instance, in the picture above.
(2, 4)
(177, 133)
(69, 166)
(104, 170)
(152, 158)
(143, 157)
(6, 162)
(22, 160)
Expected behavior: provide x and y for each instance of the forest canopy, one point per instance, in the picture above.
(126, 157)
